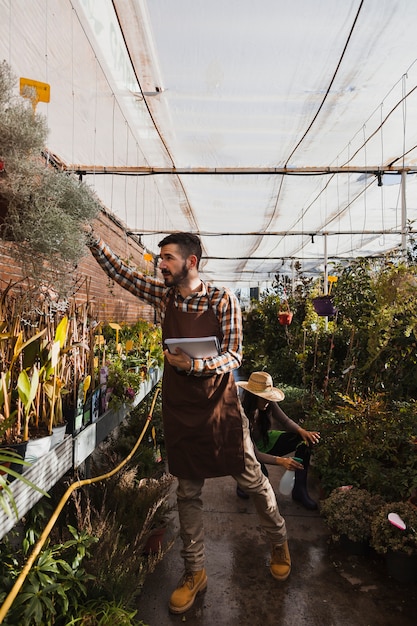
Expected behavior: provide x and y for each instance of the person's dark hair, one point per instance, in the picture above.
(187, 242)
(250, 405)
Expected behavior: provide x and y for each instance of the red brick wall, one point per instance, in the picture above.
(110, 302)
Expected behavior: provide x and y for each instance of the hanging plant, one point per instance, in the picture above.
(323, 305)
(284, 314)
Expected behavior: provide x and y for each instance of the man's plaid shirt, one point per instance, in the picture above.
(222, 301)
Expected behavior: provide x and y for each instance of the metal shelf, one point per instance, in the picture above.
(66, 456)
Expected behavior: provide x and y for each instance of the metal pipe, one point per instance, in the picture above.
(125, 170)
(403, 215)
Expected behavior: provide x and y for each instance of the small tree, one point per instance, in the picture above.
(42, 210)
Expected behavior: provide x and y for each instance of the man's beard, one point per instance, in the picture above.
(175, 279)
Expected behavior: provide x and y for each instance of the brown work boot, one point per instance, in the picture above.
(280, 566)
(189, 586)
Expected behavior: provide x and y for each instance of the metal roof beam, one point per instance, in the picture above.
(282, 233)
(83, 170)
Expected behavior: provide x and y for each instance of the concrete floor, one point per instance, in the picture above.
(327, 587)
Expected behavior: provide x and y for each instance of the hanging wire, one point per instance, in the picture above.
(126, 177)
(349, 206)
(95, 115)
(329, 86)
(380, 182)
(113, 146)
(46, 57)
(10, 31)
(338, 204)
(365, 180)
(137, 189)
(72, 85)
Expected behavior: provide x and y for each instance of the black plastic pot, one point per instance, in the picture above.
(402, 567)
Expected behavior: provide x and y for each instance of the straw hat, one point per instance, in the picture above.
(260, 383)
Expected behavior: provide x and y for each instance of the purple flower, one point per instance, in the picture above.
(130, 393)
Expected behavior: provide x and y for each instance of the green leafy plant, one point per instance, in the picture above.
(8, 458)
(124, 383)
(13, 384)
(105, 613)
(55, 586)
(27, 389)
(122, 513)
(387, 537)
(367, 443)
(53, 372)
(370, 347)
(349, 511)
(42, 210)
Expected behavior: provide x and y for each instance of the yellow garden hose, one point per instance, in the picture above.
(80, 483)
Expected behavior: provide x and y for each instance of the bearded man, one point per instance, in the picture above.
(206, 430)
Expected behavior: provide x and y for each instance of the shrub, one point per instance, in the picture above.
(387, 537)
(349, 511)
(367, 443)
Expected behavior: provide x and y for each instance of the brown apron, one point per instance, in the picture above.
(201, 414)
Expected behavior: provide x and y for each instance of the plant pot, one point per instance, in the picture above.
(37, 448)
(58, 434)
(323, 306)
(356, 548)
(285, 318)
(402, 567)
(153, 543)
(20, 449)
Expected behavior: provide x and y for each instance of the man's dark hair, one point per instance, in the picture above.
(188, 243)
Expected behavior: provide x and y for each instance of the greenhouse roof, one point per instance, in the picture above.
(279, 131)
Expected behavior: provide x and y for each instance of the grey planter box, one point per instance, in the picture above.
(44, 473)
(66, 456)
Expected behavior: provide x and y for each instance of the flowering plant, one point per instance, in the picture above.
(124, 383)
(349, 511)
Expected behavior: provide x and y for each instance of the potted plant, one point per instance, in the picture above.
(122, 383)
(16, 388)
(157, 517)
(395, 537)
(323, 304)
(285, 315)
(349, 512)
(53, 371)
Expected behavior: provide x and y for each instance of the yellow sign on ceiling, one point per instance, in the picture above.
(35, 91)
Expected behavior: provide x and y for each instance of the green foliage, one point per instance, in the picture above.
(386, 536)
(98, 551)
(123, 382)
(44, 210)
(377, 304)
(144, 460)
(367, 443)
(105, 613)
(121, 512)
(131, 352)
(9, 458)
(22, 134)
(350, 511)
(56, 584)
(371, 345)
